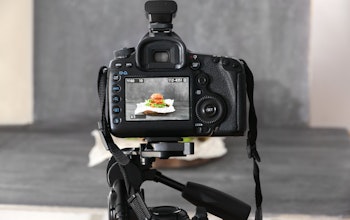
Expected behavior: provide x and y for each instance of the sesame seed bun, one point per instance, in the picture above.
(156, 96)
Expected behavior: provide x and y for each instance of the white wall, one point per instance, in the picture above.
(16, 62)
(330, 63)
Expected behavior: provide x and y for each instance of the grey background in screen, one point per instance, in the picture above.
(139, 92)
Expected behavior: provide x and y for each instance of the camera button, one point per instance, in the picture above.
(204, 130)
(116, 110)
(118, 65)
(202, 79)
(116, 120)
(116, 99)
(116, 77)
(209, 110)
(198, 92)
(129, 65)
(195, 65)
(116, 88)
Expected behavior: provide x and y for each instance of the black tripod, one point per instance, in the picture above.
(126, 181)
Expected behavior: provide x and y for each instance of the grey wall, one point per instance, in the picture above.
(74, 37)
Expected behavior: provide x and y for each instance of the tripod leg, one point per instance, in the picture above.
(117, 202)
(112, 197)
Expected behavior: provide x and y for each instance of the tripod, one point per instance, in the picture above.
(128, 180)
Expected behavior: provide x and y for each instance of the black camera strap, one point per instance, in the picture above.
(251, 141)
(103, 125)
(135, 200)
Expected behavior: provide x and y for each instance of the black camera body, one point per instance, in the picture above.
(161, 89)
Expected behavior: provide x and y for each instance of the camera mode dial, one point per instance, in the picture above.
(124, 53)
(210, 109)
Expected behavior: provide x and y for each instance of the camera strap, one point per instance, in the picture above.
(251, 141)
(103, 126)
(134, 198)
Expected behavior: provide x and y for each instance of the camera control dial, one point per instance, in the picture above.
(210, 109)
(124, 53)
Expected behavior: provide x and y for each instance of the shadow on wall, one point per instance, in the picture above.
(276, 101)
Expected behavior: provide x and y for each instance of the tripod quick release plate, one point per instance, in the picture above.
(164, 150)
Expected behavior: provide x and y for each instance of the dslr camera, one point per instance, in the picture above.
(162, 89)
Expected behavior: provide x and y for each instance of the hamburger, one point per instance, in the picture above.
(156, 101)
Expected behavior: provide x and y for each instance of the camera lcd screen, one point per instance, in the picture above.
(157, 99)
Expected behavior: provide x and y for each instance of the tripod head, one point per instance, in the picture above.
(164, 148)
(139, 170)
